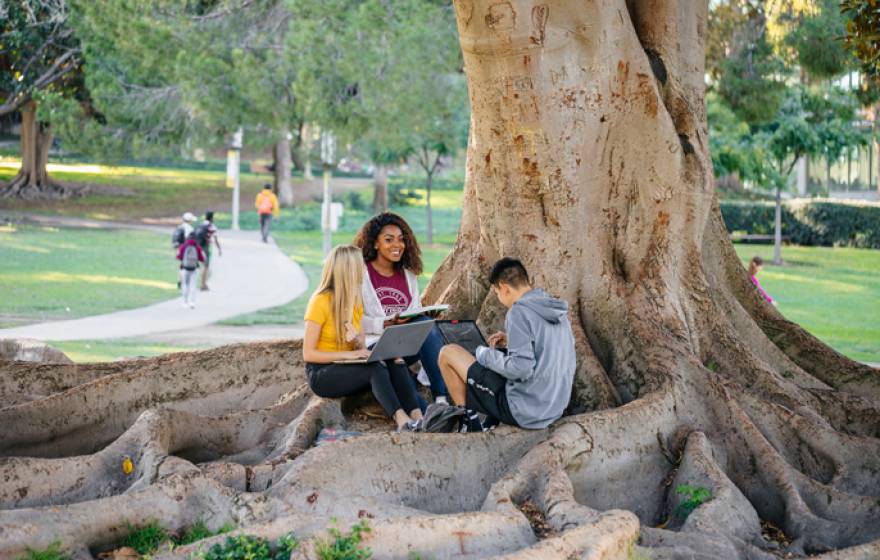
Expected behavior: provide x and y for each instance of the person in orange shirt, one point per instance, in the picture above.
(267, 206)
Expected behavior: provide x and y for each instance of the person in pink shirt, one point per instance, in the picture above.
(755, 266)
(190, 255)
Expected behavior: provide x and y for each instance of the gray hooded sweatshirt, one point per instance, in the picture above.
(540, 361)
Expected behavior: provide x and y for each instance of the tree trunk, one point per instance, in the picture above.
(32, 180)
(777, 229)
(308, 141)
(380, 188)
(587, 159)
(281, 157)
(296, 154)
(429, 217)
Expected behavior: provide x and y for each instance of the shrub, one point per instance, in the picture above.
(694, 497)
(147, 539)
(52, 552)
(341, 546)
(247, 547)
(825, 223)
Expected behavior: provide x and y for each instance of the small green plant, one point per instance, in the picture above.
(146, 539)
(52, 552)
(345, 547)
(200, 531)
(247, 547)
(694, 497)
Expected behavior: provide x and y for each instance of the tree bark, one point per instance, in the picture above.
(588, 159)
(296, 154)
(777, 229)
(380, 188)
(429, 216)
(32, 180)
(282, 184)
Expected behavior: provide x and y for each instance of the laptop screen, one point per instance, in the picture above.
(465, 333)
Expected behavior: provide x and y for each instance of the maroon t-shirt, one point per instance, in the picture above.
(392, 291)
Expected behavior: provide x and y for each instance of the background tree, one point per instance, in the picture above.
(368, 77)
(38, 54)
(166, 77)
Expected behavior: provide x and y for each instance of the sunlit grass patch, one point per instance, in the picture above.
(49, 273)
(87, 351)
(832, 292)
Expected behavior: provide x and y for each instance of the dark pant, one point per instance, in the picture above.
(265, 222)
(390, 383)
(428, 355)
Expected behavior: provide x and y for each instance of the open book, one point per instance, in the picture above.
(420, 311)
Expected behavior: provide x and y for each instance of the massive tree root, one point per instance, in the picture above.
(703, 424)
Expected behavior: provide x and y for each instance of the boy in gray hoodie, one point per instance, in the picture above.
(529, 385)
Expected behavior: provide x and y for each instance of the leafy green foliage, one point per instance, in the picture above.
(39, 52)
(165, 74)
(862, 35)
(247, 547)
(341, 546)
(812, 122)
(828, 224)
(694, 497)
(52, 552)
(146, 539)
(815, 40)
(200, 531)
(734, 147)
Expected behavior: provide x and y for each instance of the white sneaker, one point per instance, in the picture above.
(192, 306)
(422, 377)
(185, 305)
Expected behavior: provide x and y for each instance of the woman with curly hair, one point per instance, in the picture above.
(393, 261)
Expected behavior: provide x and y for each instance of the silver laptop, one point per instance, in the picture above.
(398, 341)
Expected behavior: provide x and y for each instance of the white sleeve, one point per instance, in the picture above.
(373, 320)
(413, 284)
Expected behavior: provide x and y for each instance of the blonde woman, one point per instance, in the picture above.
(333, 332)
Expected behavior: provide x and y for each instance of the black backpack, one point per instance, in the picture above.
(178, 237)
(203, 235)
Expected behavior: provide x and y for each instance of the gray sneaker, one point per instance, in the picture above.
(411, 426)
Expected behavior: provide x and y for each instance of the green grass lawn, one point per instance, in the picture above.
(832, 292)
(81, 351)
(130, 192)
(49, 273)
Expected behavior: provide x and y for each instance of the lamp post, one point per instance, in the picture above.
(328, 149)
(233, 173)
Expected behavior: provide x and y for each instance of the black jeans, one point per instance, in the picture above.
(390, 383)
(265, 224)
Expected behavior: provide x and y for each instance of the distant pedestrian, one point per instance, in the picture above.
(754, 267)
(267, 206)
(190, 255)
(205, 235)
(178, 238)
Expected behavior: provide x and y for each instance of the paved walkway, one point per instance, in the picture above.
(250, 276)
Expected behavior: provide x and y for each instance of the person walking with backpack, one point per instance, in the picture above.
(179, 237)
(190, 255)
(205, 234)
(267, 206)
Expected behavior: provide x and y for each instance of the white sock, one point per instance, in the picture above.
(441, 399)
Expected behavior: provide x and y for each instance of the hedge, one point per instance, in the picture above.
(830, 224)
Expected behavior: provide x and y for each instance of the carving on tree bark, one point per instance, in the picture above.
(588, 158)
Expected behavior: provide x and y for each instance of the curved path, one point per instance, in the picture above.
(251, 275)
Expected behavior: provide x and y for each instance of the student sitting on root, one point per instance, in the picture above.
(530, 385)
(333, 332)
